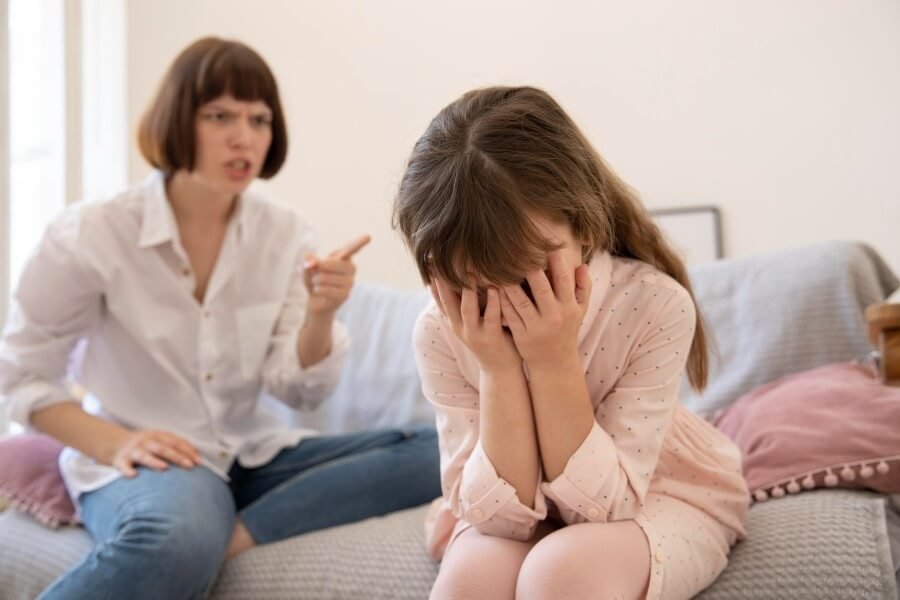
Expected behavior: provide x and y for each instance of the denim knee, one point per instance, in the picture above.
(186, 553)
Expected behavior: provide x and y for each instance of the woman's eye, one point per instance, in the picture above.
(262, 121)
(215, 116)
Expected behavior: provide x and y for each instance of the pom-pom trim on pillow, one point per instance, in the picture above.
(829, 476)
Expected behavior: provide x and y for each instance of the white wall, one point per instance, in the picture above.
(784, 114)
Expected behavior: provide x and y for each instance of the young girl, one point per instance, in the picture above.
(193, 296)
(553, 354)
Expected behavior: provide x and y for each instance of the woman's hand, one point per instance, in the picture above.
(546, 331)
(153, 449)
(330, 279)
(483, 335)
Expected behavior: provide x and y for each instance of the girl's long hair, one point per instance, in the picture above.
(493, 157)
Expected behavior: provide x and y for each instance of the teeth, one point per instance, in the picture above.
(239, 164)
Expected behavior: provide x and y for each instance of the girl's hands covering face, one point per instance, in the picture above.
(546, 330)
(483, 334)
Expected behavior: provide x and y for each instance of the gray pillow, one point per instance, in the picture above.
(781, 313)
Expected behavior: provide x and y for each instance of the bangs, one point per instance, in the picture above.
(238, 71)
(471, 223)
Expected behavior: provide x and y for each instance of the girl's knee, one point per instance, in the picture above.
(478, 566)
(464, 586)
(589, 561)
(549, 572)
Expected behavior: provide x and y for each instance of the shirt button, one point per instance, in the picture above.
(593, 513)
(185, 271)
(208, 376)
(223, 454)
(207, 314)
(477, 514)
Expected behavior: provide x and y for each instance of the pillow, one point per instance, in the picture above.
(835, 426)
(30, 480)
(777, 314)
(379, 385)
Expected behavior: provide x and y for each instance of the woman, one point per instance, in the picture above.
(187, 297)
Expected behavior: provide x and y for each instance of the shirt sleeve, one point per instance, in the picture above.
(607, 477)
(57, 302)
(283, 377)
(471, 486)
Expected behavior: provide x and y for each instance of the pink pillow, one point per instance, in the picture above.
(835, 426)
(30, 479)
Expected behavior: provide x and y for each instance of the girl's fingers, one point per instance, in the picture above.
(521, 304)
(510, 315)
(541, 290)
(450, 303)
(468, 306)
(583, 286)
(492, 309)
(561, 275)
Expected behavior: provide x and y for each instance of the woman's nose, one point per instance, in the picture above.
(242, 132)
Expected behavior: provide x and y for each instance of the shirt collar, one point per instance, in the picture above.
(158, 221)
(600, 270)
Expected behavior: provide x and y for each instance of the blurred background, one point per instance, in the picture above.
(784, 117)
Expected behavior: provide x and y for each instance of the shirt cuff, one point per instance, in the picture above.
(30, 397)
(586, 486)
(326, 371)
(485, 496)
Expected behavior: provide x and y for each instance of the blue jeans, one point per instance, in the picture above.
(163, 534)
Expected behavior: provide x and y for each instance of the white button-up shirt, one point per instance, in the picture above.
(107, 301)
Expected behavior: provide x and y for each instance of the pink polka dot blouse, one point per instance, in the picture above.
(634, 343)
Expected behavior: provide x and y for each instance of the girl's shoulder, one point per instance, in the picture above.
(430, 326)
(644, 290)
(631, 273)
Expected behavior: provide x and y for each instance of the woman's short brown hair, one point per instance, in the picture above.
(204, 71)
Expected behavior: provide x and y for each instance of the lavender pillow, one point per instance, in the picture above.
(30, 479)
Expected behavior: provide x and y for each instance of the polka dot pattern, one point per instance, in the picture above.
(633, 344)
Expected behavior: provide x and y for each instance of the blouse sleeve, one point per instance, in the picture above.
(472, 488)
(607, 477)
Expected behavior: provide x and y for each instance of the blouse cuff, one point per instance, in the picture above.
(485, 495)
(326, 371)
(586, 485)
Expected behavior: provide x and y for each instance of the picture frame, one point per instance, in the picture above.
(694, 231)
